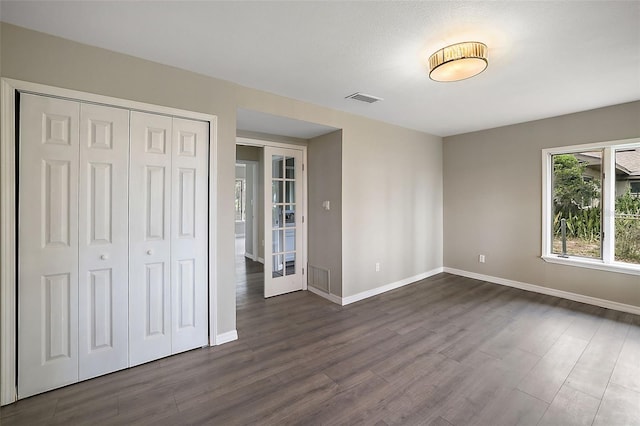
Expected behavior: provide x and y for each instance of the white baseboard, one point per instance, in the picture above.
(388, 287)
(227, 337)
(249, 256)
(332, 297)
(603, 303)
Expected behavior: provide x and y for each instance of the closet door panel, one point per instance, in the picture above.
(150, 238)
(189, 234)
(48, 244)
(103, 239)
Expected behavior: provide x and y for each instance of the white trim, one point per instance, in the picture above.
(213, 221)
(227, 337)
(388, 287)
(547, 170)
(261, 143)
(608, 214)
(8, 252)
(623, 268)
(548, 291)
(254, 165)
(590, 146)
(331, 297)
(41, 89)
(261, 260)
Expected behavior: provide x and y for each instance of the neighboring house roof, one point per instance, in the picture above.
(627, 162)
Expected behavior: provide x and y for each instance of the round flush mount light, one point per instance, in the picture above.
(458, 61)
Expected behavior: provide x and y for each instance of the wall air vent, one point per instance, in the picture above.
(362, 97)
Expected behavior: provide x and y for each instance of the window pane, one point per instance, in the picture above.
(277, 245)
(276, 187)
(290, 240)
(277, 165)
(291, 263)
(276, 213)
(577, 204)
(240, 199)
(278, 266)
(290, 215)
(290, 168)
(290, 192)
(627, 222)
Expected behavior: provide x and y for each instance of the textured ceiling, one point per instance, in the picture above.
(545, 58)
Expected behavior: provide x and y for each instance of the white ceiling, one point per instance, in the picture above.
(546, 58)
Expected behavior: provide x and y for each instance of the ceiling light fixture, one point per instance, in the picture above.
(458, 61)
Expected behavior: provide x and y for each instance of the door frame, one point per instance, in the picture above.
(8, 212)
(254, 214)
(261, 143)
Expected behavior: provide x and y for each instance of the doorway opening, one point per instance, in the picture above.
(270, 206)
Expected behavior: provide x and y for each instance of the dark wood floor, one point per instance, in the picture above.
(444, 351)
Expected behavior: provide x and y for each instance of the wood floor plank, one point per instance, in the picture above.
(444, 351)
(619, 406)
(571, 407)
(593, 370)
(549, 374)
(627, 370)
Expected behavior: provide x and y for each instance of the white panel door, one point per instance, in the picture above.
(48, 244)
(283, 208)
(149, 238)
(103, 288)
(189, 235)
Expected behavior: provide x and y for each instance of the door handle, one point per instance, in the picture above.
(104, 257)
(149, 252)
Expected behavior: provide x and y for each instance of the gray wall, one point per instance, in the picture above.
(391, 205)
(492, 200)
(247, 153)
(403, 232)
(325, 227)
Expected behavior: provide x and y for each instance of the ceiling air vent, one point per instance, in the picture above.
(362, 97)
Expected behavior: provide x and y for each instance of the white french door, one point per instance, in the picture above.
(283, 209)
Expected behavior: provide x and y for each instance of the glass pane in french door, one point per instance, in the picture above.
(283, 221)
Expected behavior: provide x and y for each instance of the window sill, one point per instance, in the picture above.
(623, 268)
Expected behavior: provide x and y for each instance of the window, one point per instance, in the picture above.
(591, 205)
(240, 200)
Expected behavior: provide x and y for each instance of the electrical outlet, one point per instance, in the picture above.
(481, 258)
(377, 266)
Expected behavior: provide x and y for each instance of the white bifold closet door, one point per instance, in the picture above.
(168, 236)
(112, 237)
(189, 235)
(72, 242)
(48, 244)
(103, 342)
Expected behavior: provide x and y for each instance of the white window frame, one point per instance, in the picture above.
(608, 262)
